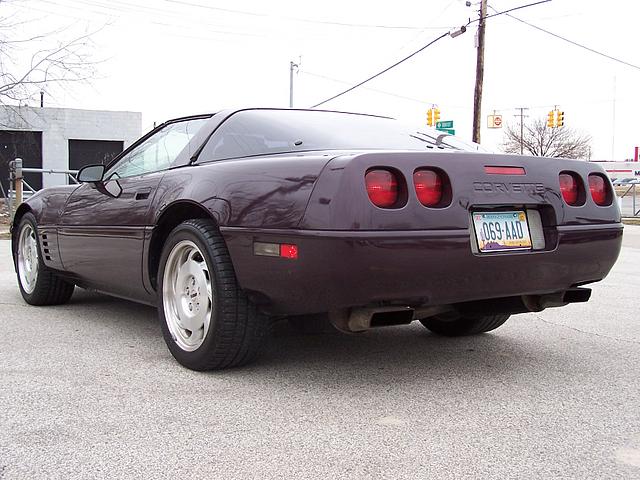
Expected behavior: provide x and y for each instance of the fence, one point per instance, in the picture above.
(626, 194)
(18, 186)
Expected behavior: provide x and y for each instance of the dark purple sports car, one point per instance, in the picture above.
(228, 221)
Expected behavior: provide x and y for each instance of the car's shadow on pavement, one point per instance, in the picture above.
(392, 355)
(389, 355)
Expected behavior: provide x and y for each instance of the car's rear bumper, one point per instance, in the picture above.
(339, 269)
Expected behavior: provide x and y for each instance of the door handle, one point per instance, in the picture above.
(143, 194)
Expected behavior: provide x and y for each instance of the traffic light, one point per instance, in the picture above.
(436, 115)
(551, 119)
(430, 117)
(560, 119)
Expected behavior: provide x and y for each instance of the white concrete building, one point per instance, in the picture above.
(622, 170)
(63, 138)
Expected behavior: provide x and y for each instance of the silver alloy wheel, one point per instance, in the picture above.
(187, 298)
(28, 258)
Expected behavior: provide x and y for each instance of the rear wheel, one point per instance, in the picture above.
(207, 320)
(456, 325)
(38, 284)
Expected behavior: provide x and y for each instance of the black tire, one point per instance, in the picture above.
(237, 330)
(49, 288)
(455, 325)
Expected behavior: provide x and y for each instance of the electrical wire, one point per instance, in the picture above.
(577, 44)
(413, 54)
(305, 20)
(383, 92)
(506, 12)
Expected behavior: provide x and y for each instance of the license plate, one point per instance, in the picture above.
(501, 231)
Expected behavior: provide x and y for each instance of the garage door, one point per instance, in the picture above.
(89, 152)
(25, 145)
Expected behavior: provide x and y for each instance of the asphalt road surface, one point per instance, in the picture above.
(88, 390)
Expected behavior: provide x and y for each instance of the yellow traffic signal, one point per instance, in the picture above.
(560, 119)
(430, 117)
(551, 119)
(436, 115)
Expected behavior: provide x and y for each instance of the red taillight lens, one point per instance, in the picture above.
(599, 190)
(382, 187)
(428, 185)
(569, 188)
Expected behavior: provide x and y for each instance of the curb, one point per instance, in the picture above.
(4, 233)
(631, 221)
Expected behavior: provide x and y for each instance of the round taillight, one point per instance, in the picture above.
(382, 187)
(569, 188)
(428, 185)
(599, 190)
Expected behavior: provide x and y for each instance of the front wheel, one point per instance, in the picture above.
(456, 325)
(207, 320)
(38, 284)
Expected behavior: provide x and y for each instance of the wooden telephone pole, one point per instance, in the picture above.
(477, 97)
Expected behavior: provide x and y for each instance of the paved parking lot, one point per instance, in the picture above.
(88, 390)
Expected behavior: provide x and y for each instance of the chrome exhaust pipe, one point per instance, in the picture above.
(361, 319)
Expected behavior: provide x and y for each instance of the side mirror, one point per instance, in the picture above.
(91, 174)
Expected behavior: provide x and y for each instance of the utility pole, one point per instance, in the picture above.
(613, 122)
(292, 66)
(477, 97)
(522, 117)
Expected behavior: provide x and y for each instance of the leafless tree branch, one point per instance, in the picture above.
(541, 141)
(67, 61)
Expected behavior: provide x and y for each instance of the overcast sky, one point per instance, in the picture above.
(167, 58)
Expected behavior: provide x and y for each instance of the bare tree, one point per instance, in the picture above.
(38, 63)
(542, 141)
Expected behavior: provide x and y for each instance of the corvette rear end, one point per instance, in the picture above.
(407, 235)
(230, 220)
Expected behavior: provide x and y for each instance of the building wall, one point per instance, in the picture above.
(59, 125)
(622, 169)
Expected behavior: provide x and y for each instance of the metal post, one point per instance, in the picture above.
(292, 65)
(634, 200)
(15, 168)
(522, 117)
(18, 181)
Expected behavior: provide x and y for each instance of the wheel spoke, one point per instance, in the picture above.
(187, 295)
(28, 258)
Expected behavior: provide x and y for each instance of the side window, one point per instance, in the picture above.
(158, 151)
(243, 135)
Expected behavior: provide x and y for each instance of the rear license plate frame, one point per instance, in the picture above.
(517, 230)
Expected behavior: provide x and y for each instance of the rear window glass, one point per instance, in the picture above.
(259, 132)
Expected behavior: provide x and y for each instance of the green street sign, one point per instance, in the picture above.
(444, 124)
(450, 131)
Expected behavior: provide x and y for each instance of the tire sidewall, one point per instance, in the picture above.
(28, 218)
(202, 353)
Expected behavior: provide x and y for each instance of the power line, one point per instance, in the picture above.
(382, 71)
(413, 54)
(506, 12)
(383, 92)
(577, 44)
(111, 10)
(304, 20)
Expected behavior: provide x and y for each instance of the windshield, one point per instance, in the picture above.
(258, 132)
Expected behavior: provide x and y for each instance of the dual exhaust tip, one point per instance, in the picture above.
(361, 319)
